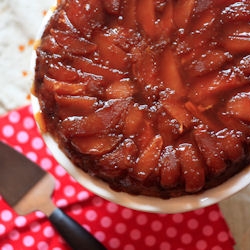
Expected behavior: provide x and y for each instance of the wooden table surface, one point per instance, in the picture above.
(15, 52)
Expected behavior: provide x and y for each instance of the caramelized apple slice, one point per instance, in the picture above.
(122, 157)
(72, 43)
(145, 67)
(133, 121)
(177, 110)
(64, 88)
(102, 121)
(61, 72)
(82, 14)
(87, 85)
(231, 143)
(75, 105)
(204, 22)
(210, 86)
(238, 104)
(234, 124)
(148, 159)
(128, 11)
(170, 73)
(144, 135)
(112, 6)
(244, 65)
(64, 23)
(236, 38)
(237, 11)
(165, 24)
(88, 66)
(170, 168)
(145, 12)
(205, 62)
(206, 118)
(169, 128)
(50, 45)
(120, 89)
(110, 54)
(212, 154)
(182, 12)
(192, 167)
(96, 144)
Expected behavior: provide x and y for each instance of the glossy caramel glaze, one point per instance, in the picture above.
(150, 96)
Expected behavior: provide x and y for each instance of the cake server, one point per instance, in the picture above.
(27, 187)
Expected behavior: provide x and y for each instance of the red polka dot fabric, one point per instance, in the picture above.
(115, 226)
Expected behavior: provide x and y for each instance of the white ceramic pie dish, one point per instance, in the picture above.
(139, 202)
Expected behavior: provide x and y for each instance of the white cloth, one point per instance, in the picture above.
(19, 24)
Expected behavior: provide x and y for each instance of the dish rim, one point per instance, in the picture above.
(137, 202)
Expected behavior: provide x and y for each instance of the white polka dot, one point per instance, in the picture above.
(91, 215)
(186, 238)
(6, 215)
(20, 221)
(14, 117)
(178, 218)
(83, 195)
(106, 222)
(101, 236)
(156, 226)
(97, 201)
(18, 149)
(62, 203)
(223, 237)
(37, 143)
(32, 156)
(129, 247)
(114, 243)
(8, 131)
(28, 241)
(7, 247)
(76, 209)
(60, 171)
(201, 245)
(214, 216)
(217, 248)
(127, 213)
(193, 224)
(46, 163)
(28, 123)
(40, 214)
(22, 137)
(43, 245)
(121, 228)
(171, 232)
(14, 235)
(48, 232)
(112, 207)
(199, 211)
(208, 230)
(57, 184)
(35, 227)
(30, 110)
(141, 219)
(69, 191)
(165, 246)
(135, 234)
(48, 151)
(87, 227)
(150, 240)
(2, 229)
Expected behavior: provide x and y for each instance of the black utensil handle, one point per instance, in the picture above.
(73, 233)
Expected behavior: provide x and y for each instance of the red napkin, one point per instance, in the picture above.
(115, 226)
